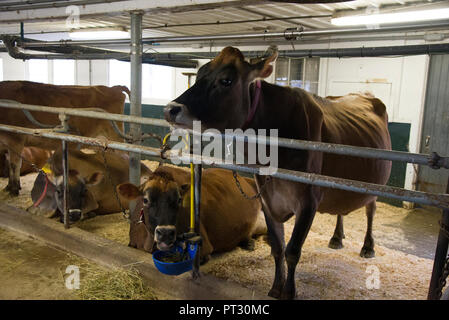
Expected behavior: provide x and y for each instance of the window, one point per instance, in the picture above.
(157, 81)
(38, 71)
(301, 73)
(64, 72)
(119, 73)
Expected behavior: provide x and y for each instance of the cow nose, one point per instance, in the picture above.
(165, 234)
(174, 110)
(171, 111)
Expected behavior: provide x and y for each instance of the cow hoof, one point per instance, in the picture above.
(249, 244)
(335, 243)
(288, 295)
(274, 293)
(367, 253)
(10, 192)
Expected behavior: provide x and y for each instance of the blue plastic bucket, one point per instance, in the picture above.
(175, 268)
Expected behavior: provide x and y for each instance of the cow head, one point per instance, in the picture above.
(162, 199)
(51, 190)
(81, 199)
(43, 193)
(220, 97)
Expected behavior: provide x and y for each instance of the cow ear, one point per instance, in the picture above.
(95, 179)
(73, 173)
(128, 191)
(263, 69)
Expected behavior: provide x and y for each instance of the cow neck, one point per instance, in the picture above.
(254, 104)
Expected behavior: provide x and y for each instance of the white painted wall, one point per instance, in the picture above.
(399, 82)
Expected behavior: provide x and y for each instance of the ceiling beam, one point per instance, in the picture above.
(118, 7)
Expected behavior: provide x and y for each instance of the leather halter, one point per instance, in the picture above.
(254, 105)
(44, 193)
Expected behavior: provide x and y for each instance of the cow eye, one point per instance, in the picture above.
(145, 201)
(225, 82)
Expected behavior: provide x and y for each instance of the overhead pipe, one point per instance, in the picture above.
(93, 54)
(288, 34)
(440, 48)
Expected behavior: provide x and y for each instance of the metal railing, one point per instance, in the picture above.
(433, 160)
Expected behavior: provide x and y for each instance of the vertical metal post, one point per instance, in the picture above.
(197, 186)
(65, 171)
(440, 256)
(136, 95)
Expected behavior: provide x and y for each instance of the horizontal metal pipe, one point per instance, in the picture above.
(84, 53)
(84, 113)
(416, 158)
(440, 48)
(348, 150)
(438, 200)
(263, 35)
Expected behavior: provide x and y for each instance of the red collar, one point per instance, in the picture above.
(254, 105)
(38, 202)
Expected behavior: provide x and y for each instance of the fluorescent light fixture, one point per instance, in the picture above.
(98, 34)
(396, 17)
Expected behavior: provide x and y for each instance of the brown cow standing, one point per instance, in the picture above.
(109, 99)
(222, 98)
(30, 156)
(227, 219)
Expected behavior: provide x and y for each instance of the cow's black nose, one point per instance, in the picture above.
(174, 111)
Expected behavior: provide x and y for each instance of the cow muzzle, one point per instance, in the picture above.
(165, 237)
(178, 115)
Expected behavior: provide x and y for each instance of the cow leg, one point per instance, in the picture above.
(15, 162)
(275, 232)
(248, 244)
(368, 245)
(336, 241)
(303, 222)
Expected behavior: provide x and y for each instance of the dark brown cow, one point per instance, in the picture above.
(222, 98)
(109, 99)
(91, 187)
(227, 219)
(30, 155)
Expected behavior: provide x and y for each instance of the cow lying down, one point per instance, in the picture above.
(91, 188)
(227, 219)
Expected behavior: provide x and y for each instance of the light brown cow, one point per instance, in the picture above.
(30, 156)
(106, 98)
(227, 219)
(226, 96)
(91, 183)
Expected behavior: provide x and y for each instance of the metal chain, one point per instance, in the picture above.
(254, 197)
(105, 163)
